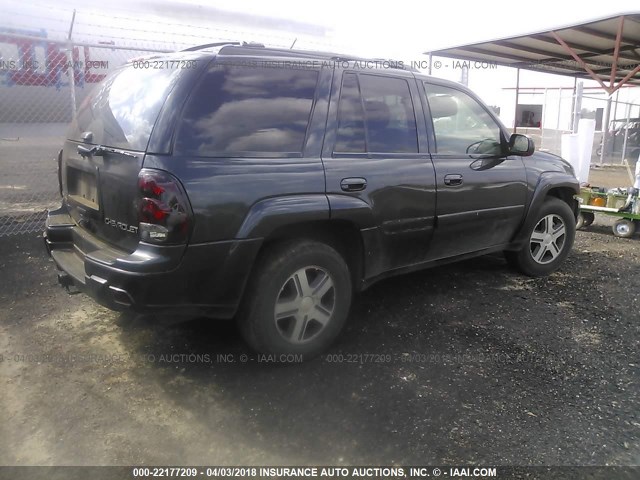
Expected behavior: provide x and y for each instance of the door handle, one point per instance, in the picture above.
(453, 180)
(353, 184)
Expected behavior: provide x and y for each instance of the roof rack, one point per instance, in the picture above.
(222, 44)
(300, 53)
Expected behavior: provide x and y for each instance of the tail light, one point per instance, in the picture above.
(164, 212)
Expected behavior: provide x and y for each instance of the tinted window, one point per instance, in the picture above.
(122, 110)
(461, 125)
(350, 137)
(391, 125)
(388, 115)
(239, 109)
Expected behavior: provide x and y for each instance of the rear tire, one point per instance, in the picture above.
(589, 217)
(584, 220)
(297, 300)
(549, 241)
(624, 228)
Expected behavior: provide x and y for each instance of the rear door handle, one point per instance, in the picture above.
(353, 184)
(453, 180)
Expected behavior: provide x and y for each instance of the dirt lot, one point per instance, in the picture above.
(469, 363)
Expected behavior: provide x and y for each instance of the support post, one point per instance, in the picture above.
(605, 129)
(70, 61)
(515, 115)
(626, 135)
(558, 134)
(543, 121)
(577, 105)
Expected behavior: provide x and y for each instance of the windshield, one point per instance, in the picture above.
(122, 110)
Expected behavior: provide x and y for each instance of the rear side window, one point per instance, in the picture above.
(351, 136)
(122, 110)
(388, 115)
(238, 110)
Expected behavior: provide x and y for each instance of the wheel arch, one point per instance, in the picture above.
(550, 185)
(345, 223)
(343, 236)
(566, 194)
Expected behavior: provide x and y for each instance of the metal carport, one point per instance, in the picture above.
(606, 50)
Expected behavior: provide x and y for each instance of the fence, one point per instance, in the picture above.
(41, 83)
(45, 73)
(556, 111)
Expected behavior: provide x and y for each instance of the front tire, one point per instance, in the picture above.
(549, 241)
(297, 300)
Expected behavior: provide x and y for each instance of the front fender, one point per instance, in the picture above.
(546, 182)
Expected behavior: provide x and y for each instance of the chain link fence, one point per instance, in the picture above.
(41, 83)
(45, 73)
(546, 114)
(618, 142)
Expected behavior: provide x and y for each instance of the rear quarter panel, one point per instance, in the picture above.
(223, 191)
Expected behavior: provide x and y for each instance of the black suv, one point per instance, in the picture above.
(269, 185)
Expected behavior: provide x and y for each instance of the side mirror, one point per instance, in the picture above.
(521, 145)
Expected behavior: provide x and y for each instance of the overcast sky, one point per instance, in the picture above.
(398, 29)
(382, 28)
(424, 25)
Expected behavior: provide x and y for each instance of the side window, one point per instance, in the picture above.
(461, 125)
(350, 137)
(238, 109)
(388, 116)
(391, 124)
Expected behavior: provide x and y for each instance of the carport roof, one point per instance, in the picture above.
(606, 50)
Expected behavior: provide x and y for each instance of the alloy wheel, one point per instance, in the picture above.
(305, 304)
(547, 239)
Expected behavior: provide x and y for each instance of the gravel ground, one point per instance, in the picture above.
(469, 363)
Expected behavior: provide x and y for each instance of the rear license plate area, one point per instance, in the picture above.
(82, 188)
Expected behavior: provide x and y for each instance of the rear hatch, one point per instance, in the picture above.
(114, 123)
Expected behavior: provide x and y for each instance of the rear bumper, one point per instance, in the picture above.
(204, 279)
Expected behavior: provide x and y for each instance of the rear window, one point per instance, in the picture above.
(246, 110)
(122, 110)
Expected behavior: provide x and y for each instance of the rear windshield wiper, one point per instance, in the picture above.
(100, 150)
